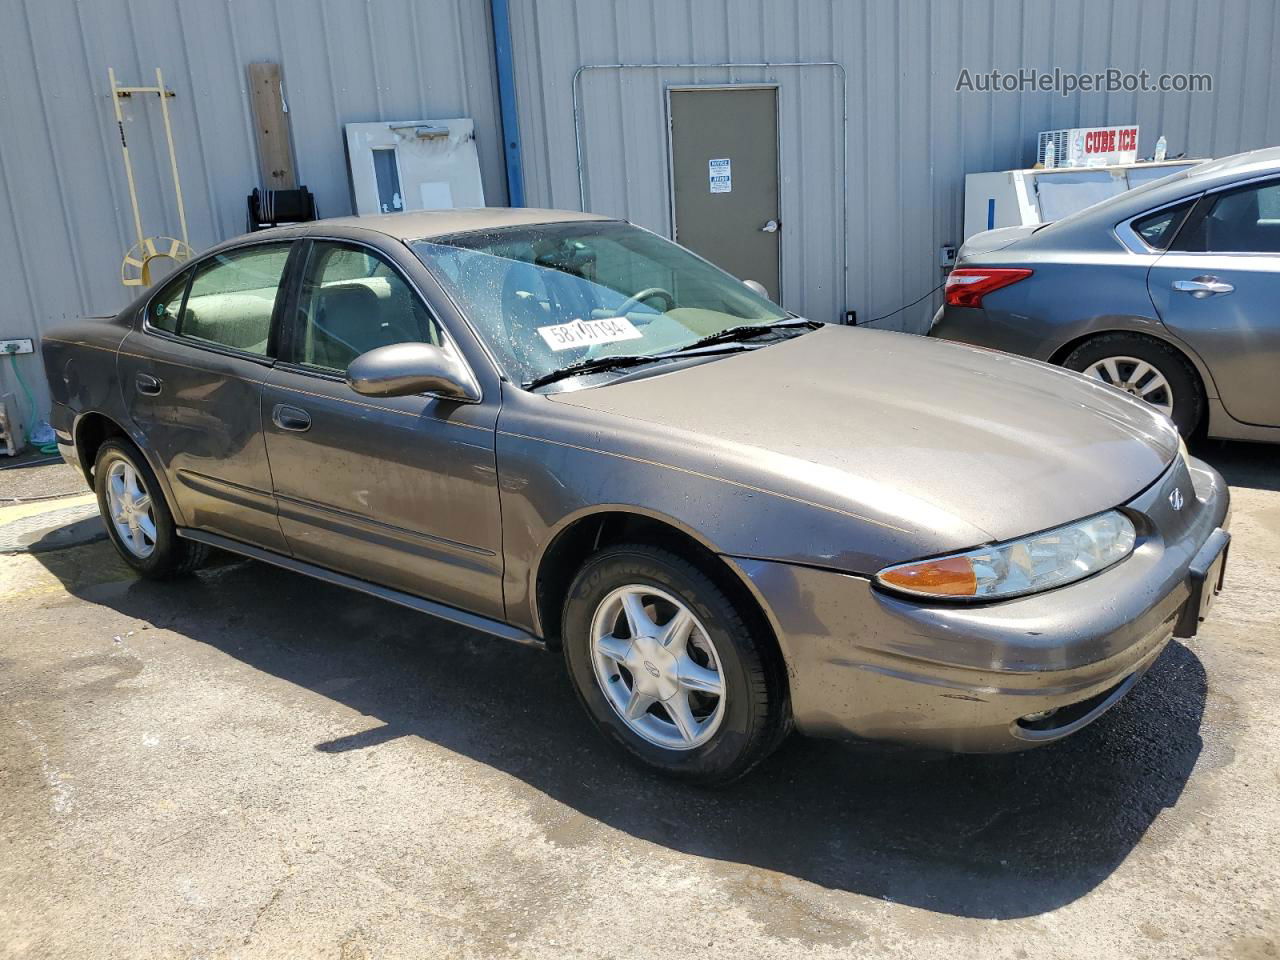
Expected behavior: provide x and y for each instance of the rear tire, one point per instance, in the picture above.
(137, 517)
(701, 699)
(1119, 356)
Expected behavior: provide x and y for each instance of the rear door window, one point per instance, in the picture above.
(232, 298)
(1244, 220)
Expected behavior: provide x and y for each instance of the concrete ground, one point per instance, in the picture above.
(252, 764)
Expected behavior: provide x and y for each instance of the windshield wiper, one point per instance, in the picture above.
(621, 361)
(745, 332)
(592, 365)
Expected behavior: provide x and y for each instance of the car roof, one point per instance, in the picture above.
(412, 225)
(425, 224)
(1262, 161)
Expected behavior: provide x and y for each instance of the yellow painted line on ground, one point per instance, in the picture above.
(18, 511)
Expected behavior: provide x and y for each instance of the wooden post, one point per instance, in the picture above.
(271, 125)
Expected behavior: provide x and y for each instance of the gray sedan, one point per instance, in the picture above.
(564, 430)
(1167, 292)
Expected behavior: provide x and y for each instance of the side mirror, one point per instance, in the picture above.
(403, 369)
(756, 287)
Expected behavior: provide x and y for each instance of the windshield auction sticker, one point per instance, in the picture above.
(585, 333)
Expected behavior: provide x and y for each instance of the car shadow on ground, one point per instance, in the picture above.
(1255, 465)
(993, 837)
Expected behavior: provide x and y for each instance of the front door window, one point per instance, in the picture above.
(351, 302)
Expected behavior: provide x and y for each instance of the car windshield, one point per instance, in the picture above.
(547, 297)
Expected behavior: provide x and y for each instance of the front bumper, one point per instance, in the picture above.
(960, 677)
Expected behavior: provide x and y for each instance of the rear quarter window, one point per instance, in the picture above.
(1158, 229)
(166, 306)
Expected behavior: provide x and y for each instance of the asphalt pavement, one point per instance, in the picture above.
(249, 763)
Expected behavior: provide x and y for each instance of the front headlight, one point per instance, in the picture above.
(1028, 565)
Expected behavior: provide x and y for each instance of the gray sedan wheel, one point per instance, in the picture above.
(1135, 377)
(656, 665)
(130, 509)
(1151, 370)
(136, 515)
(672, 665)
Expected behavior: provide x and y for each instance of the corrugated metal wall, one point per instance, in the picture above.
(912, 137)
(64, 204)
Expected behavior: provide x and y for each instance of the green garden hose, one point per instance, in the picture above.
(31, 402)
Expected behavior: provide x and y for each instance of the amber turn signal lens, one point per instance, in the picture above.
(947, 577)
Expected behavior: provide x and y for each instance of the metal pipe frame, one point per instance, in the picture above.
(763, 65)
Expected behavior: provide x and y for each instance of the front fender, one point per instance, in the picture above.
(549, 483)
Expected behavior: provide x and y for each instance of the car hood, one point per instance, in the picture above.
(952, 445)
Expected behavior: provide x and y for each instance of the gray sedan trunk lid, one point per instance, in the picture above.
(968, 444)
(989, 241)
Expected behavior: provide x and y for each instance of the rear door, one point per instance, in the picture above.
(401, 491)
(1218, 289)
(724, 176)
(192, 377)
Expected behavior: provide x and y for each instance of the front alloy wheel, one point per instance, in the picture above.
(657, 667)
(674, 664)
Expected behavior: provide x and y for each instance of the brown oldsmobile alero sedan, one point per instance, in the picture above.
(561, 428)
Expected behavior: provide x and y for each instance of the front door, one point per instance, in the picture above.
(401, 491)
(724, 178)
(192, 379)
(1218, 287)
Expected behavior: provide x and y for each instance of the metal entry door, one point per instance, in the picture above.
(724, 178)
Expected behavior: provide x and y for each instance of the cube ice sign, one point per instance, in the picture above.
(1101, 146)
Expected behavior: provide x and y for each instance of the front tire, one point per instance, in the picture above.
(1145, 368)
(669, 668)
(137, 517)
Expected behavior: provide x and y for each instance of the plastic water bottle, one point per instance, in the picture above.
(1162, 148)
(1049, 156)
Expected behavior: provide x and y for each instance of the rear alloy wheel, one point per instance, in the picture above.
(1136, 378)
(130, 509)
(1146, 368)
(137, 518)
(670, 668)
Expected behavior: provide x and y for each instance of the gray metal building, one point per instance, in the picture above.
(871, 138)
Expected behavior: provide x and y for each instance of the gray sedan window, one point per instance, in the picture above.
(1158, 229)
(1244, 220)
(546, 296)
(166, 306)
(351, 302)
(232, 297)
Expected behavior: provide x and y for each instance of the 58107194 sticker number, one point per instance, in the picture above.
(585, 333)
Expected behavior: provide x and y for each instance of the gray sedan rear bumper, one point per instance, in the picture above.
(864, 663)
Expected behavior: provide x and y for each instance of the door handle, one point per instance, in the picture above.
(291, 418)
(771, 227)
(1202, 287)
(147, 384)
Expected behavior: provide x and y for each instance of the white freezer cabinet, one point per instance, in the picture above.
(1012, 198)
